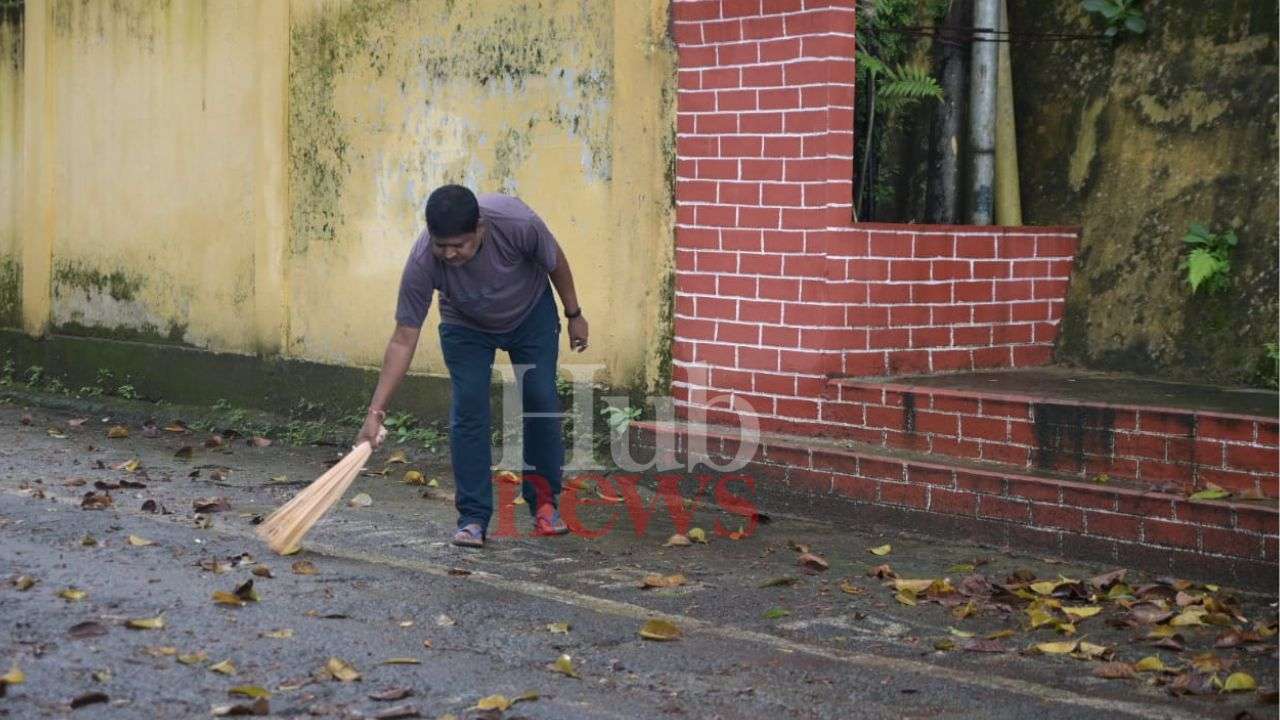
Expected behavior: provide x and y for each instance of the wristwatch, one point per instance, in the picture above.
(574, 314)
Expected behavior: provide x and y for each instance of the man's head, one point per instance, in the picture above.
(453, 221)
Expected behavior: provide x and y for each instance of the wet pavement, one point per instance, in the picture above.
(760, 636)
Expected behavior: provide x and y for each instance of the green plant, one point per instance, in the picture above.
(619, 418)
(901, 85)
(89, 391)
(35, 374)
(55, 386)
(1119, 15)
(7, 371)
(405, 428)
(127, 392)
(1270, 366)
(1208, 264)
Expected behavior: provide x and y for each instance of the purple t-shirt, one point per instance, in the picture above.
(496, 289)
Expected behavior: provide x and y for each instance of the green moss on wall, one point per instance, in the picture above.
(10, 292)
(1135, 141)
(70, 276)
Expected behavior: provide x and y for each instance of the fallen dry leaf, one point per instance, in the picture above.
(117, 432)
(282, 634)
(391, 694)
(259, 442)
(96, 501)
(677, 540)
(1055, 648)
(1081, 613)
(24, 582)
(402, 661)
(558, 628)
(304, 567)
(195, 658)
(341, 670)
(73, 594)
(881, 551)
(154, 623)
(360, 500)
(210, 504)
(1239, 682)
(160, 650)
(226, 667)
(1114, 671)
(662, 581)
(15, 676)
(698, 535)
(809, 561)
(263, 571)
(493, 702)
(249, 691)
(215, 441)
(88, 629)
(1151, 663)
(849, 588)
(90, 698)
(882, 572)
(185, 452)
(413, 477)
(660, 630)
(564, 666)
(77, 422)
(136, 541)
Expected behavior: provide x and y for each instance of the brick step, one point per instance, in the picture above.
(1155, 433)
(1161, 531)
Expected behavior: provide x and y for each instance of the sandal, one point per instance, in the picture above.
(470, 535)
(547, 521)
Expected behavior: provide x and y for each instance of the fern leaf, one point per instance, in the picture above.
(871, 64)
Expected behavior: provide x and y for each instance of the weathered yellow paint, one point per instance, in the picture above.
(249, 176)
(559, 102)
(11, 110)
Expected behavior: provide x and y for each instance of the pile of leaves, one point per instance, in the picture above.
(1202, 626)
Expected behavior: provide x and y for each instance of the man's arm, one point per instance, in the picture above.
(562, 279)
(395, 364)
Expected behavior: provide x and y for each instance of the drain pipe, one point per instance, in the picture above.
(982, 110)
(1008, 198)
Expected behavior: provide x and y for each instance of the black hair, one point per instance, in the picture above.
(452, 210)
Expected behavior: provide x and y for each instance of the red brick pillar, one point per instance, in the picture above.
(764, 168)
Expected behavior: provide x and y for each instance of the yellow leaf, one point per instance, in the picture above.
(1056, 648)
(1211, 588)
(73, 595)
(222, 597)
(161, 650)
(1188, 617)
(136, 541)
(116, 432)
(226, 667)
(1066, 628)
(1091, 651)
(1039, 618)
(397, 457)
(433, 483)
(558, 628)
(341, 670)
(24, 582)
(304, 567)
(283, 634)
(1081, 613)
(360, 500)
(1151, 663)
(849, 588)
(659, 630)
(999, 634)
(698, 535)
(413, 477)
(1045, 587)
(906, 597)
(961, 612)
(881, 550)
(249, 691)
(564, 666)
(1119, 590)
(129, 466)
(960, 633)
(154, 623)
(1161, 632)
(402, 661)
(962, 568)
(15, 676)
(194, 658)
(1239, 682)
(493, 702)
(916, 586)
(944, 644)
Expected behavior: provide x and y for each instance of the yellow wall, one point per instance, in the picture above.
(10, 166)
(248, 175)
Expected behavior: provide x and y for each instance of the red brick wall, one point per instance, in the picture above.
(776, 288)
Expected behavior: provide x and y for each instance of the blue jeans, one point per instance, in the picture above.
(469, 355)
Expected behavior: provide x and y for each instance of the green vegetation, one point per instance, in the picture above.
(1208, 264)
(1269, 371)
(405, 428)
(1119, 15)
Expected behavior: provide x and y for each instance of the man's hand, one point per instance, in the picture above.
(578, 332)
(371, 432)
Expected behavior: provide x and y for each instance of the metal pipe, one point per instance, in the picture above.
(982, 115)
(1008, 198)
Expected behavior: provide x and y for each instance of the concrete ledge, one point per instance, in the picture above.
(198, 377)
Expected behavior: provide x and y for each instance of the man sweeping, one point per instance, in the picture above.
(490, 259)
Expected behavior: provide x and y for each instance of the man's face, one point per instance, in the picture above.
(459, 249)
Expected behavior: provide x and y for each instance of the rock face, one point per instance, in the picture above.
(1136, 141)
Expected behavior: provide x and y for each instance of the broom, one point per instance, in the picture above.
(284, 528)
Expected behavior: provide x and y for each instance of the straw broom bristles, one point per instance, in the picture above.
(284, 528)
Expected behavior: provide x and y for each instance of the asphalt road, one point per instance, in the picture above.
(387, 587)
